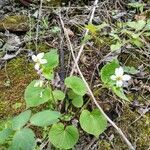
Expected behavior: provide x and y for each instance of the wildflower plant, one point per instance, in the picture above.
(60, 129)
(113, 77)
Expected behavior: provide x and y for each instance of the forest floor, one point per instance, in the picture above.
(25, 31)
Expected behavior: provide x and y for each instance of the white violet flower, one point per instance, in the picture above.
(39, 83)
(119, 77)
(38, 60)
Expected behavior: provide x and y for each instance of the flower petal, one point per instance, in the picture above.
(34, 58)
(119, 83)
(41, 83)
(43, 61)
(37, 66)
(126, 77)
(119, 71)
(113, 77)
(40, 55)
(36, 84)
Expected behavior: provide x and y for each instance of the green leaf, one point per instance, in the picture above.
(52, 59)
(146, 34)
(119, 92)
(92, 28)
(67, 117)
(55, 29)
(136, 4)
(35, 96)
(136, 42)
(86, 39)
(23, 140)
(115, 46)
(115, 36)
(107, 71)
(137, 25)
(20, 120)
(130, 70)
(48, 74)
(58, 95)
(148, 25)
(4, 134)
(77, 100)
(63, 137)
(76, 84)
(45, 118)
(93, 122)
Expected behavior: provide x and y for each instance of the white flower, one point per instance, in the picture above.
(39, 83)
(119, 77)
(39, 60)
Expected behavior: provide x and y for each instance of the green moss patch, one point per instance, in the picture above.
(14, 78)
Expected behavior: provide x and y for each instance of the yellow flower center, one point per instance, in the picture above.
(119, 78)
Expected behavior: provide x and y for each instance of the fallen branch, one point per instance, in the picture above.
(89, 90)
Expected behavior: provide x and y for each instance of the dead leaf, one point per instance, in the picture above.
(69, 32)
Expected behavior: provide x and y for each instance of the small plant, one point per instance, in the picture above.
(113, 78)
(59, 129)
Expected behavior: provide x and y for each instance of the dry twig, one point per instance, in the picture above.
(86, 33)
(88, 88)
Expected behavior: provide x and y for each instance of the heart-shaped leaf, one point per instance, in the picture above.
(35, 96)
(76, 84)
(107, 71)
(58, 95)
(139, 25)
(93, 122)
(52, 59)
(45, 118)
(77, 100)
(63, 137)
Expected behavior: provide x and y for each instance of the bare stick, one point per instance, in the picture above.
(86, 33)
(37, 27)
(90, 92)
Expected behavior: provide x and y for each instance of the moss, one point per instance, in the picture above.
(104, 145)
(20, 73)
(14, 23)
(42, 47)
(138, 133)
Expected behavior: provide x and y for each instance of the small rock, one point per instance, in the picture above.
(16, 23)
(3, 3)
(12, 44)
